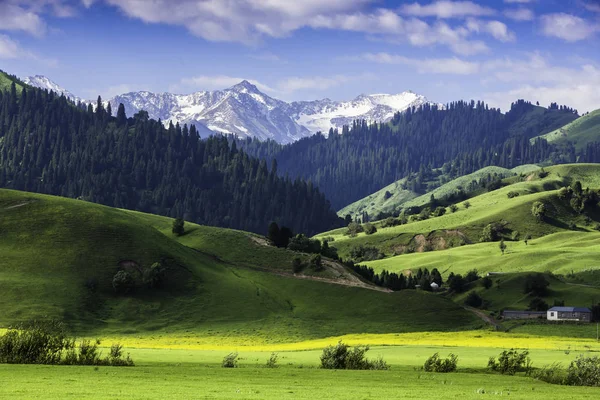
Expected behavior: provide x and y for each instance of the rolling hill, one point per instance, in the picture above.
(58, 259)
(465, 226)
(583, 130)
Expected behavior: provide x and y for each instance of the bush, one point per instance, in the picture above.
(154, 276)
(389, 222)
(467, 204)
(178, 226)
(341, 357)
(297, 265)
(439, 211)
(536, 285)
(512, 194)
(40, 342)
(354, 228)
(436, 364)
(272, 361)
(316, 263)
(538, 210)
(453, 208)
(538, 304)
(584, 371)
(510, 362)
(487, 282)
(123, 282)
(474, 300)
(230, 360)
(553, 373)
(365, 253)
(472, 275)
(369, 228)
(304, 244)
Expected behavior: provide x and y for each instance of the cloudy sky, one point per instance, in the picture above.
(495, 50)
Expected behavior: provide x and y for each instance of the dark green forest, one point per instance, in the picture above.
(462, 138)
(51, 145)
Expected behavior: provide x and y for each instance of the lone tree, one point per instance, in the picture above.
(502, 246)
(538, 210)
(178, 226)
(123, 282)
(536, 285)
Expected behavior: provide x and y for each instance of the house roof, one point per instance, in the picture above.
(570, 309)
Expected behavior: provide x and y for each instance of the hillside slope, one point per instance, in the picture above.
(465, 226)
(583, 130)
(58, 258)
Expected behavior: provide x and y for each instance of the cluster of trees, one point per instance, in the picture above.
(393, 281)
(458, 283)
(51, 145)
(579, 199)
(466, 136)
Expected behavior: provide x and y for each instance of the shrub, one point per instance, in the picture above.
(538, 304)
(389, 222)
(584, 371)
(354, 228)
(472, 275)
(40, 342)
(304, 244)
(512, 194)
(369, 228)
(230, 360)
(365, 253)
(453, 208)
(178, 226)
(439, 211)
(510, 362)
(467, 204)
(155, 275)
(341, 357)
(436, 364)
(487, 282)
(272, 361)
(474, 300)
(538, 210)
(316, 262)
(297, 265)
(123, 282)
(536, 284)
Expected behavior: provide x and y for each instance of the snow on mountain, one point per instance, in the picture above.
(43, 82)
(245, 111)
(324, 114)
(241, 110)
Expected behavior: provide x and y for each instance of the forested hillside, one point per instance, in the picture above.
(50, 145)
(466, 136)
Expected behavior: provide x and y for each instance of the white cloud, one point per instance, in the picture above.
(267, 56)
(567, 27)
(14, 17)
(447, 9)
(9, 48)
(592, 7)
(450, 66)
(519, 1)
(519, 14)
(497, 29)
(294, 84)
(539, 80)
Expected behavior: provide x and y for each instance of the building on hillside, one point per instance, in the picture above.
(520, 314)
(434, 286)
(581, 314)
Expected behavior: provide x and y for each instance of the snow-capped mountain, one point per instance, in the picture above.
(321, 115)
(241, 110)
(43, 82)
(245, 111)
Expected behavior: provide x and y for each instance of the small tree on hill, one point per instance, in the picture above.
(538, 210)
(502, 246)
(123, 282)
(178, 226)
(474, 300)
(467, 204)
(369, 228)
(536, 284)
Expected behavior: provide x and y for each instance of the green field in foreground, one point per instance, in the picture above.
(183, 374)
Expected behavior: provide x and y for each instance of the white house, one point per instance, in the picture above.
(582, 314)
(434, 286)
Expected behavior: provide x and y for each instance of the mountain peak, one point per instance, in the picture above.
(245, 86)
(43, 82)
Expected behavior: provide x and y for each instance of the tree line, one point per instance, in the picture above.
(50, 145)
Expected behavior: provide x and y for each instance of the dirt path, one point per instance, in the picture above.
(17, 205)
(489, 320)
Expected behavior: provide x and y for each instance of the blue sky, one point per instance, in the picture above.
(497, 50)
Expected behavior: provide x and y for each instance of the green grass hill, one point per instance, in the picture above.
(580, 132)
(465, 226)
(58, 258)
(7, 80)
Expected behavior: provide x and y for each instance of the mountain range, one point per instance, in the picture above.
(243, 110)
